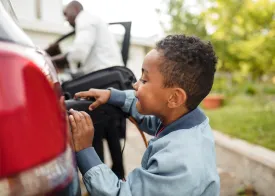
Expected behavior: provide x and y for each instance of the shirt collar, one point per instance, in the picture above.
(187, 121)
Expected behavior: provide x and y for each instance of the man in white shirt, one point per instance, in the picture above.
(94, 46)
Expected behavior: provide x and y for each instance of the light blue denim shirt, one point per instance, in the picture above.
(180, 161)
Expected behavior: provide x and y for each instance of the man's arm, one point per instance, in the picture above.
(84, 40)
(60, 61)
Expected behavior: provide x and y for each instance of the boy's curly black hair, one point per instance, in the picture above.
(188, 63)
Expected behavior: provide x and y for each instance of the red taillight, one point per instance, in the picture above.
(32, 125)
(42, 179)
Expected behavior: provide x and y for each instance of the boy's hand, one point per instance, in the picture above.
(82, 130)
(101, 96)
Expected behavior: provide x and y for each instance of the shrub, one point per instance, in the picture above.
(250, 90)
(269, 90)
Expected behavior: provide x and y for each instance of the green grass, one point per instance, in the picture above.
(251, 118)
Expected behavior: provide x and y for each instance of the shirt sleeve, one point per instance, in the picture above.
(85, 35)
(126, 100)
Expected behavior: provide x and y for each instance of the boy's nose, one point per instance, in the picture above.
(135, 85)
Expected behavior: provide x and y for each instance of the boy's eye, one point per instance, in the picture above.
(142, 81)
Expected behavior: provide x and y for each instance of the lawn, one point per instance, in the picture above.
(249, 117)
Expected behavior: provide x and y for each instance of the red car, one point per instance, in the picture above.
(36, 157)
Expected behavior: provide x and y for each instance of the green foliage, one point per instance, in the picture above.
(244, 35)
(247, 117)
(247, 191)
(242, 31)
(182, 20)
(235, 84)
(220, 85)
(269, 90)
(250, 90)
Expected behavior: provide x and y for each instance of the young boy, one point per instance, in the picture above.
(180, 160)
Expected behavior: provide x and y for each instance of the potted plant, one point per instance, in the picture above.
(216, 97)
(213, 101)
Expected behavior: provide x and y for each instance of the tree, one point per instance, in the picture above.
(242, 31)
(244, 34)
(181, 19)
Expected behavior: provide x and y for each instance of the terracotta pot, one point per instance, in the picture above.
(212, 101)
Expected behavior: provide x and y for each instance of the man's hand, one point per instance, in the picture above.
(53, 49)
(59, 57)
(101, 96)
(82, 130)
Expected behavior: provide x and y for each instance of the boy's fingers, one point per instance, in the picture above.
(77, 116)
(88, 119)
(85, 94)
(84, 122)
(72, 122)
(94, 105)
(82, 94)
(90, 93)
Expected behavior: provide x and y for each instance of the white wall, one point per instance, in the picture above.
(135, 60)
(51, 11)
(25, 9)
(30, 10)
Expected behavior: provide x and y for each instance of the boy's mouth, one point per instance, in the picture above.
(136, 95)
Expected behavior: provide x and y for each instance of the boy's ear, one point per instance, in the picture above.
(177, 98)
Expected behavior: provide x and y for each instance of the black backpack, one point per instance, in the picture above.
(117, 77)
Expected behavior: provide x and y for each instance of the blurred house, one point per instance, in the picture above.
(43, 21)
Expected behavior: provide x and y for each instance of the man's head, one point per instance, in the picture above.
(177, 74)
(71, 11)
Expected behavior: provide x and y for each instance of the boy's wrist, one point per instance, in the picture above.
(86, 159)
(117, 97)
